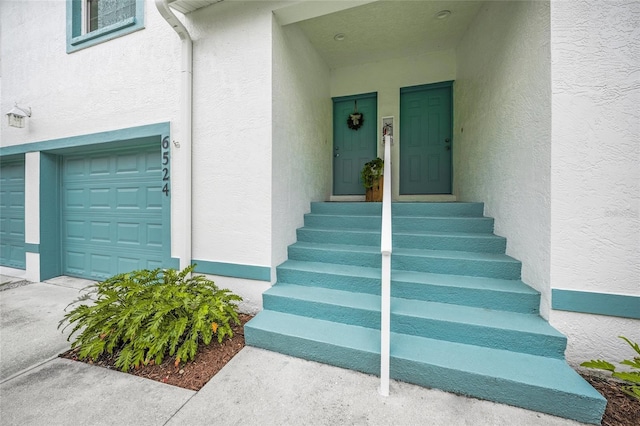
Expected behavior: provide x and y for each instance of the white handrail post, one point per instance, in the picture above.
(385, 248)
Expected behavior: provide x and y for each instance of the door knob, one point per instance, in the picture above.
(447, 140)
(337, 155)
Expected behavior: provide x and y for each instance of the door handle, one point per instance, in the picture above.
(447, 140)
(337, 155)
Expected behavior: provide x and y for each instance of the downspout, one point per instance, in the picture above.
(186, 114)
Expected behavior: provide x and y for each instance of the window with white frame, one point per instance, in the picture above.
(91, 22)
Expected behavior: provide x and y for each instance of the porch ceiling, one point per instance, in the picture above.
(387, 29)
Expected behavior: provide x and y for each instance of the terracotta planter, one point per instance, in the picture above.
(375, 192)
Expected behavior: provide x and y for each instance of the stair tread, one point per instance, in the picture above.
(513, 366)
(496, 284)
(445, 312)
(452, 234)
(448, 254)
(454, 254)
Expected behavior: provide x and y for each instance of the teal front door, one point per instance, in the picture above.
(353, 148)
(425, 139)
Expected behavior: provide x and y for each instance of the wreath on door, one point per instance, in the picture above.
(355, 120)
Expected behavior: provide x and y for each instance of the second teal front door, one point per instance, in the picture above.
(425, 139)
(353, 148)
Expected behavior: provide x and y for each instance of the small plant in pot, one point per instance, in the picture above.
(371, 177)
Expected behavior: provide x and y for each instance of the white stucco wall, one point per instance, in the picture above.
(302, 130)
(595, 174)
(502, 129)
(386, 78)
(125, 82)
(232, 133)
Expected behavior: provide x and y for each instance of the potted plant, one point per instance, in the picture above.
(371, 177)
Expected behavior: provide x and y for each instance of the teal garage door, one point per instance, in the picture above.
(111, 212)
(12, 214)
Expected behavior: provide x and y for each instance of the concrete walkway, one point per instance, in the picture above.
(257, 387)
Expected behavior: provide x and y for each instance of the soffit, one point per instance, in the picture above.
(387, 29)
(188, 6)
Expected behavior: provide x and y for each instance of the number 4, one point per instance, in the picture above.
(165, 189)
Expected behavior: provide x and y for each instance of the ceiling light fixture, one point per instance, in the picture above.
(443, 14)
(339, 37)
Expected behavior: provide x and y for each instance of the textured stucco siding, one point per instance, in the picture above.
(386, 78)
(302, 129)
(595, 178)
(232, 133)
(125, 82)
(502, 129)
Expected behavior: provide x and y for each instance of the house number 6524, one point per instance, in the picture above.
(165, 165)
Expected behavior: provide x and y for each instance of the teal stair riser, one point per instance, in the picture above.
(438, 209)
(440, 265)
(510, 340)
(508, 392)
(348, 208)
(491, 268)
(401, 209)
(342, 236)
(513, 340)
(442, 224)
(480, 243)
(476, 297)
(342, 222)
(369, 318)
(327, 280)
(326, 353)
(479, 298)
(401, 224)
(370, 260)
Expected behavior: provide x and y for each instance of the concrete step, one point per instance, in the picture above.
(518, 332)
(492, 265)
(400, 223)
(458, 241)
(538, 383)
(400, 208)
(489, 293)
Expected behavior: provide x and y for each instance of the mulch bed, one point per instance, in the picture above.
(622, 409)
(192, 375)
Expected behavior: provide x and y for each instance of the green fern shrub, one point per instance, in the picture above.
(145, 315)
(630, 377)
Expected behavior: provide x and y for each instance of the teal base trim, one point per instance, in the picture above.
(32, 248)
(251, 272)
(615, 305)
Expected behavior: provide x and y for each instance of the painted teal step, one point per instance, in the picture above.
(347, 208)
(489, 293)
(538, 383)
(525, 333)
(458, 241)
(340, 254)
(491, 265)
(453, 241)
(400, 223)
(480, 292)
(400, 209)
(442, 224)
(438, 209)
